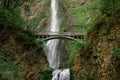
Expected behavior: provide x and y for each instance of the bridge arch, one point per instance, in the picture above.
(60, 37)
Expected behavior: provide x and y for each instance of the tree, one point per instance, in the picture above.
(12, 4)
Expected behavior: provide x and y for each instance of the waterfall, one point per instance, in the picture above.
(51, 48)
(59, 74)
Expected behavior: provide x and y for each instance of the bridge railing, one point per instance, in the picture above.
(60, 33)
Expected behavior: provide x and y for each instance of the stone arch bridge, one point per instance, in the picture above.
(60, 35)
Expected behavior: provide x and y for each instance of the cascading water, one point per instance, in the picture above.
(51, 47)
(59, 74)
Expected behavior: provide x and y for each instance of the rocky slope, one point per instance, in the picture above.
(99, 59)
(20, 57)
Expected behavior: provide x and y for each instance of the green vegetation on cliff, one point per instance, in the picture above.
(21, 54)
(95, 58)
(99, 60)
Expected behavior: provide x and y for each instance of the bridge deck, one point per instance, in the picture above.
(60, 34)
(63, 35)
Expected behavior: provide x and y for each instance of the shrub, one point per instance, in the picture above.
(8, 70)
(47, 74)
(9, 18)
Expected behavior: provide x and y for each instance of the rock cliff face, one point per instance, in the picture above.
(37, 14)
(99, 59)
(20, 58)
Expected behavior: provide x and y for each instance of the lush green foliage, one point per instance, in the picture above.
(116, 53)
(35, 20)
(47, 74)
(9, 17)
(95, 12)
(12, 4)
(87, 75)
(8, 69)
(28, 39)
(91, 15)
(10, 14)
(35, 23)
(109, 6)
(73, 48)
(12, 26)
(88, 14)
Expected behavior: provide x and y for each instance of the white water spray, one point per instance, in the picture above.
(59, 74)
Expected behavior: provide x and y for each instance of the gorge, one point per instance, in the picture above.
(24, 56)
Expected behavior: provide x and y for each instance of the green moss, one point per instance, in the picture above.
(116, 52)
(8, 69)
(88, 14)
(105, 30)
(10, 17)
(86, 74)
(73, 48)
(47, 74)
